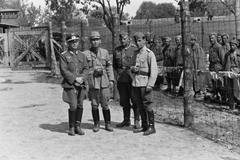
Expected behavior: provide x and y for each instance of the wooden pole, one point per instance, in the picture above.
(187, 62)
(53, 57)
(63, 33)
(237, 18)
(83, 35)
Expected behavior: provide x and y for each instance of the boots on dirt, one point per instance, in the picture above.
(95, 115)
(136, 119)
(78, 129)
(126, 118)
(107, 119)
(144, 126)
(71, 119)
(151, 129)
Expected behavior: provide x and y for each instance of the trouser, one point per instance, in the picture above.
(230, 92)
(170, 79)
(143, 100)
(99, 96)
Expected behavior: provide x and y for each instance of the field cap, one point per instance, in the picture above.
(213, 33)
(225, 34)
(139, 35)
(95, 35)
(72, 37)
(193, 37)
(233, 41)
(123, 34)
(168, 39)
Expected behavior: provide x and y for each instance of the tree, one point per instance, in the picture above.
(62, 10)
(146, 11)
(164, 10)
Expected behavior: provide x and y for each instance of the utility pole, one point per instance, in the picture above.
(187, 62)
(237, 18)
(63, 33)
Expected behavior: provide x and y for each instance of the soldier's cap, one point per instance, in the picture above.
(72, 37)
(163, 38)
(168, 39)
(123, 34)
(95, 35)
(233, 41)
(225, 34)
(178, 37)
(213, 34)
(193, 37)
(139, 35)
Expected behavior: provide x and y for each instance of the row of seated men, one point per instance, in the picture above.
(215, 77)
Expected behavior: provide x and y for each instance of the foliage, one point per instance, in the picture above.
(29, 15)
(164, 10)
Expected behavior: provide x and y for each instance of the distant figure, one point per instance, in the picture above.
(177, 15)
(210, 15)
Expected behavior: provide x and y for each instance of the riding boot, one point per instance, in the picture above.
(136, 118)
(144, 126)
(107, 119)
(95, 115)
(126, 118)
(71, 119)
(151, 129)
(78, 129)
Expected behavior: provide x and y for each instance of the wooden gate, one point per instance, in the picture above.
(30, 48)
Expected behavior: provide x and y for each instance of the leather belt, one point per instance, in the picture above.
(143, 73)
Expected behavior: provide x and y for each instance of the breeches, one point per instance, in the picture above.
(125, 93)
(74, 97)
(142, 98)
(99, 96)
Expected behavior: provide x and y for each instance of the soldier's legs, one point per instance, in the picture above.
(231, 94)
(104, 98)
(147, 104)
(125, 95)
(169, 83)
(94, 97)
(79, 112)
(137, 97)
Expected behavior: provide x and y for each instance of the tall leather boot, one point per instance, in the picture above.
(126, 118)
(136, 119)
(144, 126)
(107, 119)
(151, 128)
(95, 115)
(71, 119)
(78, 129)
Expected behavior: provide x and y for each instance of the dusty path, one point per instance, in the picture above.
(33, 121)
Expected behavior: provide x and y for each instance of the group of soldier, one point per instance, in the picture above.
(223, 57)
(92, 72)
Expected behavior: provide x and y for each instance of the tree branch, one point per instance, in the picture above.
(228, 7)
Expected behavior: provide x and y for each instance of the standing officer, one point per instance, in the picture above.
(145, 74)
(74, 70)
(100, 78)
(122, 61)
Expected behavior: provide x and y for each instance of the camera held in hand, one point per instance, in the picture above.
(98, 72)
(134, 69)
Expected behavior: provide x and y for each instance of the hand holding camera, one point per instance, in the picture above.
(134, 69)
(79, 80)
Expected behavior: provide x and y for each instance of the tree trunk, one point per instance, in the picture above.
(53, 57)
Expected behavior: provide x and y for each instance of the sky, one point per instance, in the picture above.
(131, 9)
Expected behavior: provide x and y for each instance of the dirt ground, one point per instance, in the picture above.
(34, 124)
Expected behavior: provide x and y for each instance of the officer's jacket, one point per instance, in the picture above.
(73, 65)
(157, 50)
(216, 57)
(98, 61)
(123, 59)
(232, 61)
(178, 56)
(148, 70)
(169, 56)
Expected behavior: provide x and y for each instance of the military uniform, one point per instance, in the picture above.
(100, 74)
(122, 61)
(145, 74)
(74, 64)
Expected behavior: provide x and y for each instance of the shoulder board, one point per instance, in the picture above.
(64, 52)
(132, 45)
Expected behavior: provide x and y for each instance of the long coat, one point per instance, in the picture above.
(198, 64)
(216, 57)
(101, 60)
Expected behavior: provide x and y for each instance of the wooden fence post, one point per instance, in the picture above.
(188, 68)
(237, 19)
(63, 33)
(53, 57)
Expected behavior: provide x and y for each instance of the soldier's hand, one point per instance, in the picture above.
(111, 83)
(80, 80)
(76, 84)
(148, 88)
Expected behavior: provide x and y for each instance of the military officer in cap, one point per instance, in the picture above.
(145, 74)
(123, 59)
(74, 70)
(100, 78)
(232, 64)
